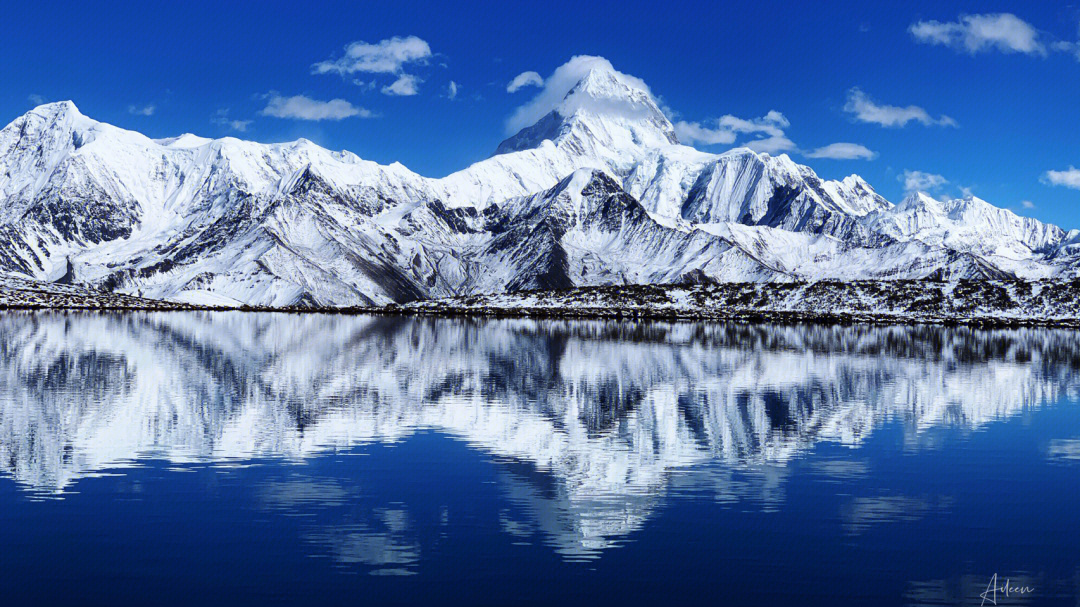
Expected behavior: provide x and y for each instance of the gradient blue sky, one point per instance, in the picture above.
(1011, 86)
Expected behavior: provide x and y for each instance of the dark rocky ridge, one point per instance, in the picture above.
(966, 302)
(989, 303)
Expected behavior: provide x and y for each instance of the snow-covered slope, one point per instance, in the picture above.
(598, 191)
(967, 224)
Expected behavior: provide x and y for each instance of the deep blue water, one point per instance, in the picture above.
(244, 459)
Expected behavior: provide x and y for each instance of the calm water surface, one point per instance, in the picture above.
(255, 459)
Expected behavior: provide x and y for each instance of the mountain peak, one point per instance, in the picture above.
(58, 111)
(187, 140)
(47, 129)
(600, 81)
(58, 116)
(580, 179)
(919, 199)
(603, 91)
(604, 112)
(57, 107)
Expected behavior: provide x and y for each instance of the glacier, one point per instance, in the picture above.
(597, 192)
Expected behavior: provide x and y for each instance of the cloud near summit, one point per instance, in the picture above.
(764, 134)
(524, 79)
(919, 181)
(558, 84)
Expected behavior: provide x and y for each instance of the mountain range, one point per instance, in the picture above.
(597, 192)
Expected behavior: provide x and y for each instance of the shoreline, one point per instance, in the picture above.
(785, 317)
(973, 303)
(750, 316)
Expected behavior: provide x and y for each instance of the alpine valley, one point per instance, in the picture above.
(597, 192)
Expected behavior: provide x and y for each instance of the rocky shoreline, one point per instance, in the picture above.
(978, 303)
(965, 302)
(19, 294)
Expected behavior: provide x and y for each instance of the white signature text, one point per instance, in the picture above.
(1004, 590)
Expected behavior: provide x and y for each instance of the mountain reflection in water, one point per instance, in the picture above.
(591, 419)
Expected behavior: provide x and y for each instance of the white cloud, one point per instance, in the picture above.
(772, 145)
(306, 108)
(843, 151)
(146, 110)
(35, 99)
(767, 134)
(978, 33)
(918, 181)
(1027, 204)
(727, 129)
(771, 124)
(221, 118)
(866, 110)
(1072, 48)
(777, 118)
(451, 90)
(524, 79)
(404, 86)
(1069, 178)
(560, 82)
(693, 132)
(385, 57)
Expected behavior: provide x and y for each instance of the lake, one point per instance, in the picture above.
(254, 459)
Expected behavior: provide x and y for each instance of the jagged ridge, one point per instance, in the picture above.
(598, 192)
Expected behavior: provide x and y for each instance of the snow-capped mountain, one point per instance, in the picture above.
(598, 191)
(601, 116)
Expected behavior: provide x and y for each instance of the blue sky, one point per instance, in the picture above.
(950, 96)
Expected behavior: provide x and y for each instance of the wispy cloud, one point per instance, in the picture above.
(843, 151)
(1027, 204)
(384, 57)
(694, 132)
(300, 107)
(772, 145)
(143, 110)
(769, 130)
(918, 181)
(1069, 178)
(767, 135)
(524, 79)
(221, 118)
(1065, 46)
(452, 90)
(973, 34)
(864, 109)
(406, 85)
(35, 99)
